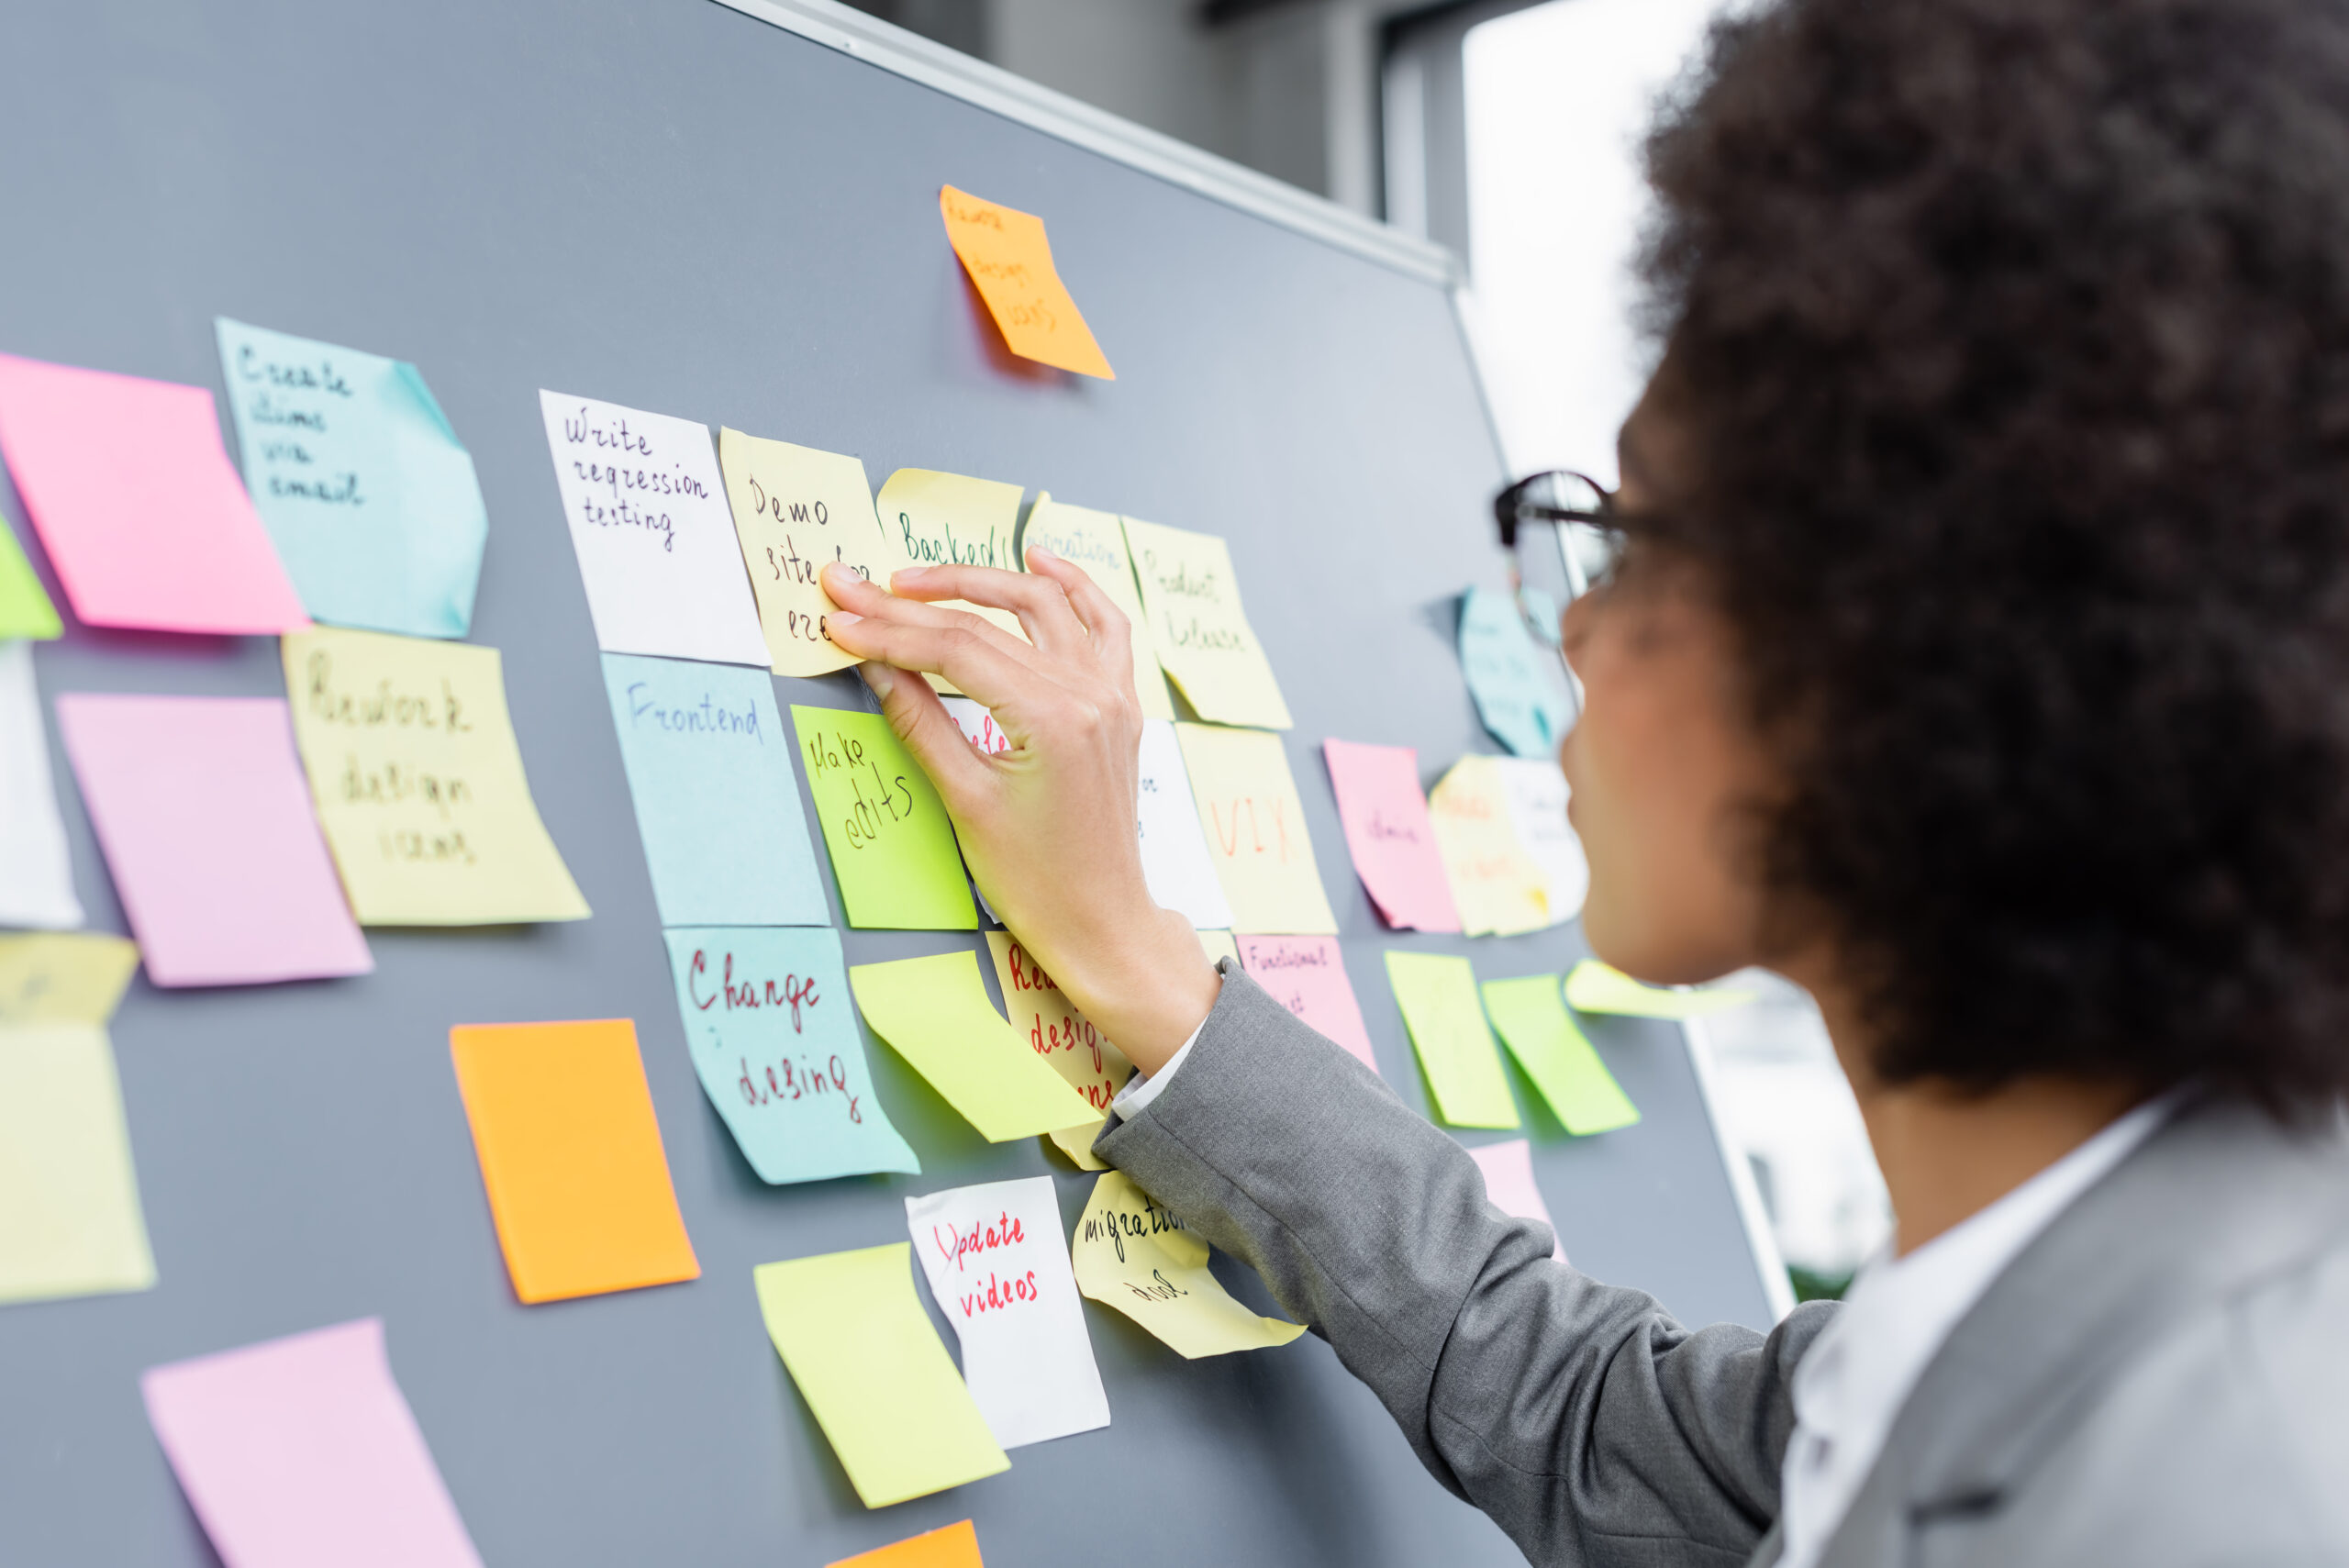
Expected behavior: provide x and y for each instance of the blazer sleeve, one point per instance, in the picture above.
(1587, 1422)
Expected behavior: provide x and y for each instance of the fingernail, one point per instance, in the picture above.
(843, 618)
(1040, 553)
(909, 576)
(880, 678)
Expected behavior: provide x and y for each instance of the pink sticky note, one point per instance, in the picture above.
(1387, 832)
(302, 1450)
(143, 518)
(1307, 976)
(1509, 1181)
(201, 806)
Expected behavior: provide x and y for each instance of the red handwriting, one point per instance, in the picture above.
(787, 1081)
(1230, 839)
(957, 1245)
(999, 1293)
(791, 991)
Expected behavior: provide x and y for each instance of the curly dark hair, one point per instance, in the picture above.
(2013, 335)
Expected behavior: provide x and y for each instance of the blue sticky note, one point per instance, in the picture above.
(1519, 690)
(774, 1033)
(365, 488)
(709, 765)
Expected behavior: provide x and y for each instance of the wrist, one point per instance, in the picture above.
(1147, 986)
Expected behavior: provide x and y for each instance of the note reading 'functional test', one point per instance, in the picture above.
(1096, 541)
(892, 846)
(1437, 993)
(1509, 1183)
(419, 785)
(1009, 260)
(1531, 1016)
(934, 1012)
(366, 490)
(999, 1271)
(69, 1219)
(36, 868)
(1519, 691)
(1200, 628)
(798, 510)
(1256, 830)
(1388, 834)
(25, 607)
(1132, 1254)
(1043, 1016)
(1307, 976)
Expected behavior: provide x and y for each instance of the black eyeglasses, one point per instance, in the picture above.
(1589, 529)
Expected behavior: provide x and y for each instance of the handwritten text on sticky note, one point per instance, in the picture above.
(1010, 261)
(798, 510)
(1201, 629)
(1256, 830)
(892, 846)
(1133, 1255)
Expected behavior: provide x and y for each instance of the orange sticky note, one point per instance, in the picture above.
(956, 1546)
(1010, 263)
(571, 1155)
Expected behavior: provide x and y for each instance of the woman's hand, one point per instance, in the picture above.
(1049, 826)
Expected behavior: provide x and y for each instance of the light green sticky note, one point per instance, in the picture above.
(25, 609)
(1596, 987)
(870, 1367)
(1438, 995)
(70, 1220)
(934, 1012)
(892, 845)
(1534, 1025)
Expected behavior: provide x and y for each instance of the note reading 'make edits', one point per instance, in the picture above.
(1132, 1254)
(1009, 260)
(419, 785)
(1043, 1016)
(771, 1028)
(892, 846)
(36, 868)
(798, 510)
(1437, 993)
(368, 493)
(1201, 629)
(1256, 830)
(934, 1012)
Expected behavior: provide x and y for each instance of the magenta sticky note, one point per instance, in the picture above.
(135, 502)
(1307, 976)
(302, 1452)
(1387, 832)
(202, 808)
(1509, 1181)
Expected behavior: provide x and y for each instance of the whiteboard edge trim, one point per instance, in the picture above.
(1777, 1286)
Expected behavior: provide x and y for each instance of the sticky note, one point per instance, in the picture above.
(1307, 976)
(798, 510)
(1256, 830)
(1596, 987)
(892, 847)
(1132, 1254)
(571, 1155)
(419, 785)
(1175, 864)
(956, 1546)
(1509, 1183)
(950, 519)
(25, 609)
(1388, 834)
(1519, 691)
(70, 1220)
(1200, 629)
(1535, 789)
(1009, 260)
(302, 1450)
(1499, 888)
(1437, 993)
(362, 480)
(654, 536)
(709, 768)
(934, 1012)
(1531, 1018)
(145, 523)
(64, 977)
(36, 868)
(215, 857)
(998, 1269)
(1219, 946)
(857, 1342)
(1096, 541)
(771, 1028)
(1043, 1015)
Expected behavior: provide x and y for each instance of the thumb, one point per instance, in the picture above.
(922, 722)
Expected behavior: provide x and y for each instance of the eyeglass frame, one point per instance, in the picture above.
(1511, 511)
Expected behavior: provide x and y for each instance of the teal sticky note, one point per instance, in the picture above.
(365, 489)
(772, 1027)
(709, 765)
(1519, 690)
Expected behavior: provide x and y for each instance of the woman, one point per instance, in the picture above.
(1978, 656)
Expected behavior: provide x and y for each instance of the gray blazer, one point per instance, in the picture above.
(2161, 1377)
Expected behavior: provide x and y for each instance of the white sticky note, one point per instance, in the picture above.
(36, 873)
(998, 1267)
(1536, 791)
(656, 538)
(1174, 860)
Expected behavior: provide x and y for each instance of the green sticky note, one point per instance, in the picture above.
(934, 1012)
(70, 1220)
(1438, 995)
(1534, 1023)
(25, 609)
(1596, 987)
(870, 1367)
(892, 846)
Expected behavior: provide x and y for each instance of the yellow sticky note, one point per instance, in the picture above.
(1596, 987)
(1218, 945)
(63, 977)
(1255, 827)
(934, 1012)
(862, 1350)
(1500, 889)
(1096, 541)
(1200, 628)
(418, 782)
(1044, 1016)
(70, 1220)
(1009, 259)
(1132, 1254)
(1556, 1055)
(956, 1546)
(1437, 993)
(951, 519)
(893, 848)
(798, 510)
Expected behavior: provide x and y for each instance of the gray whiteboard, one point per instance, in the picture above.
(676, 206)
